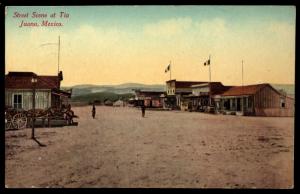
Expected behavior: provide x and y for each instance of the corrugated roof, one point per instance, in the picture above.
(22, 80)
(244, 90)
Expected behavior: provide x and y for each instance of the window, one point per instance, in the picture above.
(282, 103)
(17, 101)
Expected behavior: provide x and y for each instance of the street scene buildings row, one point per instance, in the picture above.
(202, 96)
(214, 97)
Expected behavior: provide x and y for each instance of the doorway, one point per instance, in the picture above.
(238, 106)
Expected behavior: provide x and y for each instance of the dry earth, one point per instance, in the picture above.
(166, 149)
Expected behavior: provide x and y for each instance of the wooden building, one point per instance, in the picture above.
(176, 90)
(204, 96)
(150, 99)
(19, 91)
(258, 100)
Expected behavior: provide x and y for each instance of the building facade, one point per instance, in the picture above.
(204, 96)
(150, 99)
(256, 100)
(175, 90)
(19, 91)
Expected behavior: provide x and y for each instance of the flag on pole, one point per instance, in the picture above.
(168, 68)
(207, 62)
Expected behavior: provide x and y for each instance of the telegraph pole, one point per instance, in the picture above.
(209, 81)
(243, 97)
(58, 54)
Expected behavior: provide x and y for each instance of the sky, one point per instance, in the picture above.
(120, 44)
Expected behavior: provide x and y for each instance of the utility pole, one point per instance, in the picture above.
(58, 54)
(209, 81)
(33, 81)
(243, 98)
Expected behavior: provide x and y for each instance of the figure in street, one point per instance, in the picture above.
(94, 111)
(143, 110)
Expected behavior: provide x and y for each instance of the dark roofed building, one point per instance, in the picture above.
(22, 80)
(203, 96)
(151, 99)
(243, 90)
(259, 100)
(19, 88)
(175, 91)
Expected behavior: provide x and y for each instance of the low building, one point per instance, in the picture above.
(119, 103)
(19, 91)
(258, 100)
(150, 99)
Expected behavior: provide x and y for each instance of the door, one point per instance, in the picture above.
(238, 106)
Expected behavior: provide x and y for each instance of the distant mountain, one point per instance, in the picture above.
(79, 90)
(288, 88)
(101, 96)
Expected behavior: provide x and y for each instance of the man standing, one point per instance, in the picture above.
(143, 110)
(94, 111)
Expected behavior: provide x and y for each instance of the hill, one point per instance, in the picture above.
(288, 88)
(100, 96)
(125, 88)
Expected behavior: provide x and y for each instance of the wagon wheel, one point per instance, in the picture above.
(8, 122)
(19, 121)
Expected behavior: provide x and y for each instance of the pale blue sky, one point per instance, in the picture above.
(102, 40)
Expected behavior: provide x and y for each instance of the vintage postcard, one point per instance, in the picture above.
(149, 96)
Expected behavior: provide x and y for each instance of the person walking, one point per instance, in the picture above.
(143, 110)
(94, 111)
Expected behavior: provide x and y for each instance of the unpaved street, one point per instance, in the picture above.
(166, 149)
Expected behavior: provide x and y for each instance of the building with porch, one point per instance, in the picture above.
(176, 90)
(204, 96)
(19, 88)
(256, 100)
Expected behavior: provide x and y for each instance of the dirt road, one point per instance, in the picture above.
(165, 149)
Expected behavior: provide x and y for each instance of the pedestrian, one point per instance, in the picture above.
(94, 111)
(143, 110)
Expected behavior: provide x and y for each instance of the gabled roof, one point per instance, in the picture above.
(22, 80)
(245, 90)
(218, 88)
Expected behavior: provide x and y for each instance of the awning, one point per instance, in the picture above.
(61, 93)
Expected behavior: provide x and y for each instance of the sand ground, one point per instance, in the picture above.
(165, 149)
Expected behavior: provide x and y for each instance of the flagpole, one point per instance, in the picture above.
(209, 70)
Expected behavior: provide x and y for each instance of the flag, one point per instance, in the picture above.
(207, 62)
(168, 68)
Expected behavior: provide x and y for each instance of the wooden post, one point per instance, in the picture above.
(33, 106)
